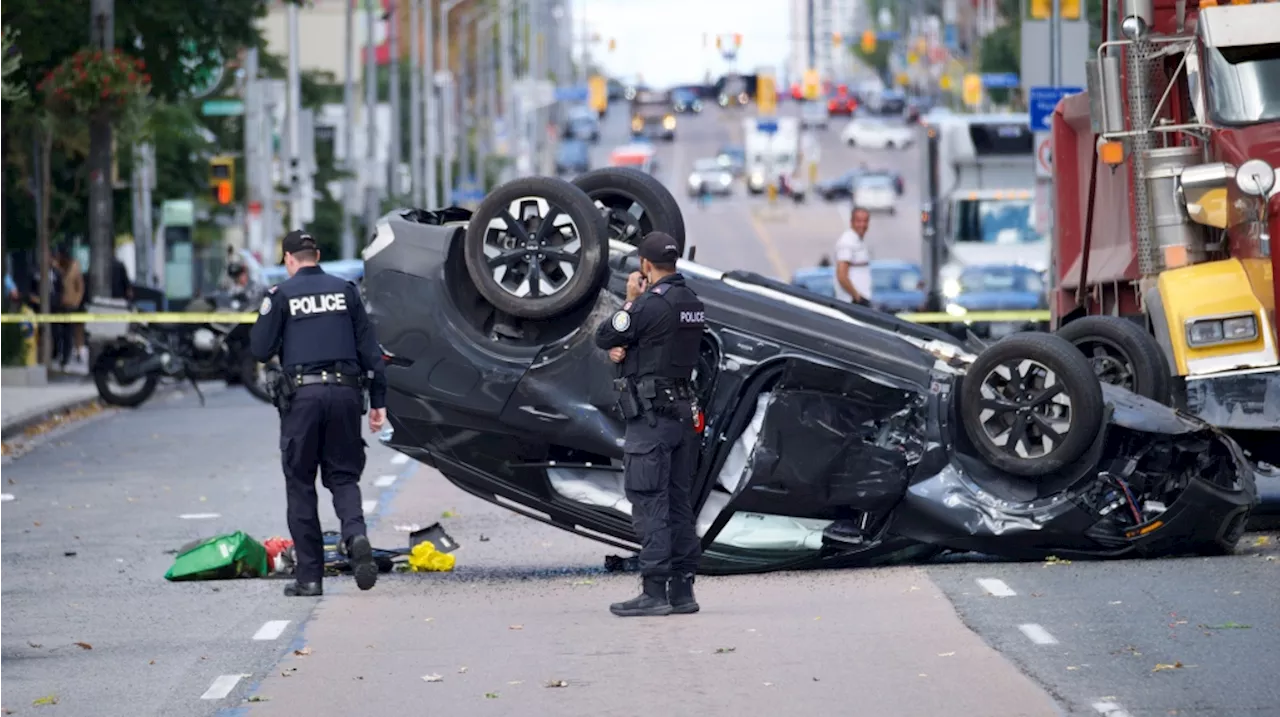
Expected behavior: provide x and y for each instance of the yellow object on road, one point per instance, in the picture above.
(424, 558)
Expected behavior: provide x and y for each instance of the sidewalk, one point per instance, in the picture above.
(24, 406)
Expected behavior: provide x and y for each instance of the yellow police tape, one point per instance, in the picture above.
(936, 317)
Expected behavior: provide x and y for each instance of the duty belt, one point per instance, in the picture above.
(327, 377)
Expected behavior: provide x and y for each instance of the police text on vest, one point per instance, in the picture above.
(692, 317)
(317, 304)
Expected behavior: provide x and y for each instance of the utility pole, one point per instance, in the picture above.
(295, 127)
(349, 163)
(445, 130)
(430, 130)
(506, 49)
(253, 180)
(101, 238)
(370, 116)
(415, 101)
(396, 153)
(1055, 45)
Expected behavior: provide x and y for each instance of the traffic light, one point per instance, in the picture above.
(222, 179)
(837, 39)
(1043, 9)
(737, 39)
(868, 41)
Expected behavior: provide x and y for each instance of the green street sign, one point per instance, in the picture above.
(222, 108)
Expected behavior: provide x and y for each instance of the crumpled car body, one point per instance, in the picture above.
(814, 412)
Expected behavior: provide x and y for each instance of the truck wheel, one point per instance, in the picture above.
(1122, 354)
(1031, 404)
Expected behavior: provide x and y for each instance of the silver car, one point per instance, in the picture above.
(712, 175)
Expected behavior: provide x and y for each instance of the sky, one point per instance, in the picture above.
(661, 40)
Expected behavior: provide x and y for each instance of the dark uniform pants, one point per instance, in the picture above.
(659, 467)
(322, 430)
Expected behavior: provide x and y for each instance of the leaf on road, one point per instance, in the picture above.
(1227, 626)
(462, 670)
(945, 654)
(432, 678)
(725, 650)
(33, 644)
(484, 538)
(302, 652)
(47, 700)
(288, 672)
(84, 646)
(449, 514)
(491, 695)
(516, 682)
(557, 683)
(1055, 560)
(516, 627)
(257, 698)
(1258, 542)
(152, 662)
(1162, 666)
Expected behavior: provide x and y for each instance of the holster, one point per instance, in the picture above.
(281, 389)
(628, 398)
(647, 391)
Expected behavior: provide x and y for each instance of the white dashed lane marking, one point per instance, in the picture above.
(271, 629)
(399, 459)
(1037, 634)
(199, 516)
(384, 481)
(995, 587)
(1109, 709)
(369, 506)
(221, 687)
(6, 497)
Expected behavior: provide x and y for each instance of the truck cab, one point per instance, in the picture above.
(1167, 205)
(770, 154)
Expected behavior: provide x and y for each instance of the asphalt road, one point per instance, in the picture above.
(526, 606)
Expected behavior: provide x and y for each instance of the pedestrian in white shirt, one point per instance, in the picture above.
(853, 260)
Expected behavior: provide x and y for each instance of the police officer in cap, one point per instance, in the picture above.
(654, 339)
(318, 326)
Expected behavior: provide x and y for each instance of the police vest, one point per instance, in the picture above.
(318, 328)
(673, 354)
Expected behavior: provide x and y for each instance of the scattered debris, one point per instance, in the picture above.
(427, 619)
(1227, 626)
(725, 650)
(516, 627)
(816, 680)
(1161, 667)
(1261, 540)
(557, 683)
(768, 684)
(1129, 649)
(84, 646)
(945, 654)
(257, 698)
(1055, 560)
(46, 700)
(288, 672)
(586, 581)
(484, 538)
(69, 553)
(152, 662)
(516, 682)
(303, 652)
(432, 678)
(462, 670)
(491, 695)
(33, 644)
(1116, 602)
(1072, 667)
(449, 514)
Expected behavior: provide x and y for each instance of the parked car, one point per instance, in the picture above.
(842, 187)
(876, 193)
(896, 286)
(807, 408)
(715, 177)
(878, 135)
(995, 287)
(573, 156)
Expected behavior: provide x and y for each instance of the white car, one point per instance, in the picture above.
(814, 114)
(877, 135)
(875, 193)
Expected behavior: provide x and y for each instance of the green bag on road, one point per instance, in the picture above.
(226, 556)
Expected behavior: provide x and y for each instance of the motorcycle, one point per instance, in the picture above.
(128, 369)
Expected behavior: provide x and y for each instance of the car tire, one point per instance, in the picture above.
(1122, 354)
(546, 194)
(850, 142)
(996, 403)
(618, 188)
(889, 145)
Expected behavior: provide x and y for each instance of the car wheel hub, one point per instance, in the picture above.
(532, 248)
(1109, 362)
(1025, 408)
(625, 218)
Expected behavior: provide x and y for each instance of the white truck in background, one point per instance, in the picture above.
(771, 154)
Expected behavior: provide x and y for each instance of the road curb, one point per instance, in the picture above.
(18, 428)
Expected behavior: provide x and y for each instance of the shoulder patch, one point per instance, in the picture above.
(621, 321)
(266, 306)
(661, 289)
(272, 290)
(627, 305)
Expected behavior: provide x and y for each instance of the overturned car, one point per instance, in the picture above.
(814, 413)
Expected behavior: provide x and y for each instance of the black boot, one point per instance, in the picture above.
(363, 566)
(297, 589)
(680, 590)
(652, 602)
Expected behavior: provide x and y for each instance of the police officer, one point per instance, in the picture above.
(318, 326)
(242, 290)
(654, 339)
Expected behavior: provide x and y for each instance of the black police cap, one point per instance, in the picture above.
(659, 248)
(296, 241)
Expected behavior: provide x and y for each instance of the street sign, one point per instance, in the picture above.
(571, 94)
(1041, 103)
(1000, 80)
(768, 126)
(599, 93)
(766, 94)
(222, 108)
(1044, 154)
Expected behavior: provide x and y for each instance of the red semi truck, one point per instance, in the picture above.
(1167, 211)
